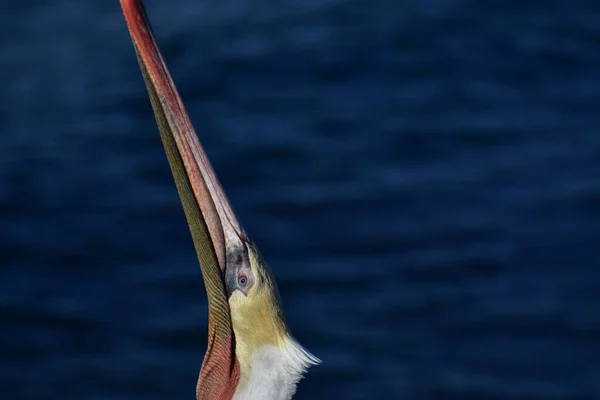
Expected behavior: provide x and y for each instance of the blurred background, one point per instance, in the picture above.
(423, 176)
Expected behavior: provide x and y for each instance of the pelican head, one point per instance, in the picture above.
(251, 353)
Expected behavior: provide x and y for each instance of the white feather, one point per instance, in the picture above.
(275, 371)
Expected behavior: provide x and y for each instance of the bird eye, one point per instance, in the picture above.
(242, 281)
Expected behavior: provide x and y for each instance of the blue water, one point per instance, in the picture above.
(423, 176)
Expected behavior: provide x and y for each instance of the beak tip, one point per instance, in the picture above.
(128, 3)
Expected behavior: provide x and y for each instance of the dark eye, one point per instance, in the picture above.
(242, 281)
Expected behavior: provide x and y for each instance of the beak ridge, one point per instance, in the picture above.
(207, 191)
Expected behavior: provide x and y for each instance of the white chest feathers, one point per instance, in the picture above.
(274, 372)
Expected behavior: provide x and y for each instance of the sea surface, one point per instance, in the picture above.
(423, 177)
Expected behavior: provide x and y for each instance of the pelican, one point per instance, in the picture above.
(251, 353)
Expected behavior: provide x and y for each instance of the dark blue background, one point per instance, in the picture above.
(422, 175)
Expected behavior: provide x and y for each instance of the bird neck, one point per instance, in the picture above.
(272, 371)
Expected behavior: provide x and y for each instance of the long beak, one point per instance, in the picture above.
(209, 215)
